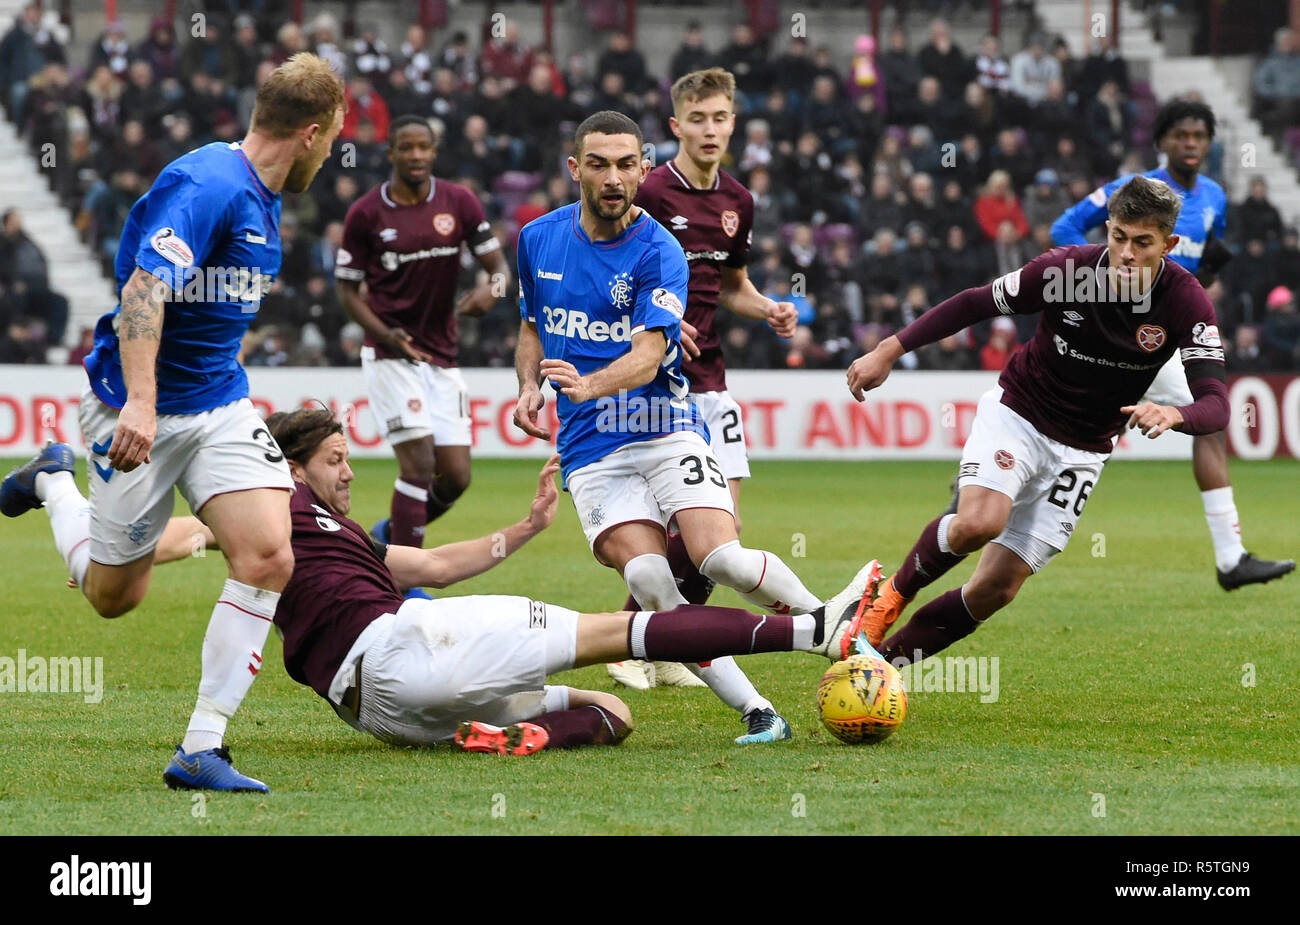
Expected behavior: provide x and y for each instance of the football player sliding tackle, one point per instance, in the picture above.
(471, 669)
(1111, 316)
(602, 289)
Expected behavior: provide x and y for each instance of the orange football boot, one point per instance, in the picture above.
(876, 617)
(519, 739)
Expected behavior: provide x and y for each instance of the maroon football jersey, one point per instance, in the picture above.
(713, 228)
(339, 586)
(409, 259)
(1093, 352)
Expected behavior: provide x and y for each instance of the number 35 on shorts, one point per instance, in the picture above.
(694, 471)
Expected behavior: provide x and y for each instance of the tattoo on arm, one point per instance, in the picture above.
(142, 308)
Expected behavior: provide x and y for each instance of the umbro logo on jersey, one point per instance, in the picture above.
(254, 238)
(536, 615)
(546, 274)
(968, 470)
(388, 234)
(1072, 318)
(678, 222)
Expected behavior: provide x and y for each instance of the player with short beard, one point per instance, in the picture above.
(711, 215)
(1183, 130)
(1041, 437)
(602, 287)
(420, 672)
(167, 405)
(403, 240)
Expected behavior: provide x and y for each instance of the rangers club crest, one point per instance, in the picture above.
(730, 223)
(620, 290)
(1151, 337)
(1004, 459)
(444, 223)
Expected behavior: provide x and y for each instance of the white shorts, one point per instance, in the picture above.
(1170, 385)
(444, 662)
(1048, 482)
(726, 432)
(206, 454)
(414, 400)
(648, 481)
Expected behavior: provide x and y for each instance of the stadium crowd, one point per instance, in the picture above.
(882, 183)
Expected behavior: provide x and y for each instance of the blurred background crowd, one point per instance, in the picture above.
(883, 182)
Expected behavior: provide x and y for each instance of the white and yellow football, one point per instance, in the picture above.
(862, 700)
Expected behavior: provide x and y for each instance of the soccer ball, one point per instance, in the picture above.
(862, 700)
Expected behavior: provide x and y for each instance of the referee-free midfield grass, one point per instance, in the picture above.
(1121, 706)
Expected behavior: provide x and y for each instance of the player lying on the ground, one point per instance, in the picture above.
(1182, 131)
(602, 288)
(412, 672)
(1111, 316)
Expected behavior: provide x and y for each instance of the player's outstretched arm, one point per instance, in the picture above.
(394, 339)
(446, 565)
(630, 371)
(739, 294)
(528, 361)
(139, 333)
(182, 538)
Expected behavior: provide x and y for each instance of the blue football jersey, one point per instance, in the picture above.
(1205, 213)
(588, 299)
(210, 229)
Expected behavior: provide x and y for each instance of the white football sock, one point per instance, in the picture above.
(232, 657)
(760, 577)
(804, 627)
(69, 518)
(1225, 532)
(725, 679)
(650, 579)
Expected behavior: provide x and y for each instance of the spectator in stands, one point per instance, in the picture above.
(972, 166)
(112, 49)
(825, 113)
(934, 110)
(1045, 200)
(1012, 155)
(324, 42)
(948, 354)
(865, 125)
(621, 57)
(746, 58)
(691, 54)
(1277, 85)
(1256, 217)
(900, 72)
(1250, 276)
(134, 150)
(49, 96)
(1069, 163)
(351, 339)
(961, 264)
(840, 284)
(942, 58)
(805, 352)
(991, 68)
(979, 114)
(23, 342)
(916, 260)
(101, 101)
(1287, 260)
(1282, 328)
(1245, 353)
(1108, 125)
(915, 302)
(757, 150)
(458, 57)
(324, 250)
(880, 277)
(1100, 66)
(26, 49)
(997, 204)
(142, 98)
(370, 57)
(246, 51)
(923, 204)
(1010, 249)
(475, 155)
(864, 75)
(159, 49)
(296, 257)
(289, 40)
(810, 175)
(211, 53)
(794, 71)
(883, 207)
(1032, 69)
(956, 208)
(27, 278)
(1002, 343)
(506, 57)
(416, 59)
(536, 115)
(767, 213)
(1054, 117)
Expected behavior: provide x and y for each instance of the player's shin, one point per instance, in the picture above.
(407, 513)
(232, 659)
(760, 577)
(69, 519)
(928, 560)
(932, 629)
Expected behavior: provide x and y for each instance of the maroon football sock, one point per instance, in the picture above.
(694, 586)
(932, 629)
(925, 563)
(695, 633)
(406, 516)
(589, 725)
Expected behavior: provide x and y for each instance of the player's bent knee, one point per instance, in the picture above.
(269, 568)
(451, 485)
(967, 534)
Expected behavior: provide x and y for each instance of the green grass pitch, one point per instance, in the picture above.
(1121, 707)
